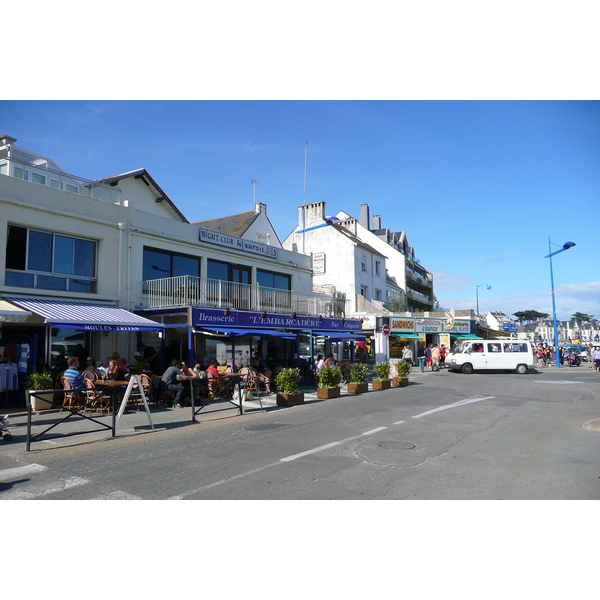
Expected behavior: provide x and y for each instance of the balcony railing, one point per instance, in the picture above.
(187, 290)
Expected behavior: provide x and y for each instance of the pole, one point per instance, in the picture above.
(304, 205)
(477, 296)
(556, 353)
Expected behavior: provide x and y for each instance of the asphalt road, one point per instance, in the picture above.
(445, 436)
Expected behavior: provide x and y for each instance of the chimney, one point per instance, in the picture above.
(363, 215)
(314, 214)
(260, 207)
(376, 222)
(5, 140)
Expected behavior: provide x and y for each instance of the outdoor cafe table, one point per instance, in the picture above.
(232, 379)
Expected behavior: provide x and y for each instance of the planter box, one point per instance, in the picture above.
(379, 384)
(290, 399)
(358, 388)
(37, 402)
(326, 393)
(400, 381)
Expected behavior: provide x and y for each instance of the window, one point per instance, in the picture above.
(363, 266)
(377, 294)
(20, 173)
(159, 264)
(52, 261)
(4, 169)
(377, 267)
(37, 178)
(72, 188)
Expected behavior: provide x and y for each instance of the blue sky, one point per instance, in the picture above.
(479, 186)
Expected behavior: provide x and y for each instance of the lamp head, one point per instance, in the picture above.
(568, 245)
(489, 287)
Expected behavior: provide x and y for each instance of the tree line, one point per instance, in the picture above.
(527, 316)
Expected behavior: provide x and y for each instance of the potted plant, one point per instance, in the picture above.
(402, 371)
(288, 392)
(358, 379)
(37, 382)
(382, 376)
(329, 382)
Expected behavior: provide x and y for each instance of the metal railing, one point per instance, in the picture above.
(187, 290)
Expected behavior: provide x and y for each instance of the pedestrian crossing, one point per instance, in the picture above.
(35, 481)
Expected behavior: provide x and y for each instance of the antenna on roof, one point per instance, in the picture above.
(304, 205)
(253, 183)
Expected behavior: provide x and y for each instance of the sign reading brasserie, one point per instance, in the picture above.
(231, 241)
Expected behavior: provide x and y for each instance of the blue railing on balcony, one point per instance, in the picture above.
(187, 290)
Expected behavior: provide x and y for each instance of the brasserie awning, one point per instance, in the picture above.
(238, 331)
(88, 316)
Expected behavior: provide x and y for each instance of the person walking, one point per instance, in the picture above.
(589, 351)
(421, 356)
(597, 358)
(428, 360)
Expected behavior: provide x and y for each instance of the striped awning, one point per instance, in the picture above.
(86, 315)
(9, 313)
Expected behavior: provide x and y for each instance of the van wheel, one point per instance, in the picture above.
(467, 368)
(521, 369)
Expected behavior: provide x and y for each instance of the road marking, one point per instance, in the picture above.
(324, 447)
(399, 422)
(64, 483)
(118, 495)
(555, 382)
(459, 403)
(20, 472)
(374, 430)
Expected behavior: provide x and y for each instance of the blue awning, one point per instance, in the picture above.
(86, 316)
(236, 331)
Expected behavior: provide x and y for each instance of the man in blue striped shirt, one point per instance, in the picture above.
(73, 374)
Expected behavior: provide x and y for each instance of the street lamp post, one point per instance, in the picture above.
(489, 287)
(565, 246)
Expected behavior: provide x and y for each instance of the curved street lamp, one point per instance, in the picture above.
(565, 246)
(489, 287)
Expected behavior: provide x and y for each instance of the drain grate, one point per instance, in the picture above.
(397, 445)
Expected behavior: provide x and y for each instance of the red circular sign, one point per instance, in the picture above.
(386, 330)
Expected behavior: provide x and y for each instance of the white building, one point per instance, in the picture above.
(91, 267)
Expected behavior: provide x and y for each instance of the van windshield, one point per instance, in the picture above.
(460, 348)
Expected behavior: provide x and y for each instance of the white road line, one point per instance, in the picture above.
(459, 403)
(374, 430)
(118, 495)
(64, 483)
(20, 472)
(314, 450)
(399, 422)
(555, 382)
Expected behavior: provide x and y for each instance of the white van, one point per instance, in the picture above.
(478, 355)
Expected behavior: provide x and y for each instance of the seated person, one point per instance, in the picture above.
(121, 364)
(262, 372)
(114, 372)
(73, 374)
(172, 379)
(139, 363)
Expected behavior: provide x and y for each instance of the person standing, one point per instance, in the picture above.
(435, 357)
(442, 356)
(422, 357)
(149, 355)
(597, 358)
(360, 348)
(407, 355)
(428, 357)
(589, 351)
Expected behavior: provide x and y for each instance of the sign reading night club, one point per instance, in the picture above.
(231, 241)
